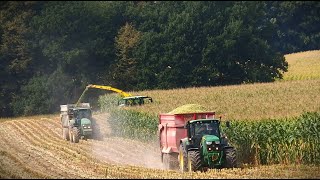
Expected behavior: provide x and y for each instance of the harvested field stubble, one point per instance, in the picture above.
(27, 152)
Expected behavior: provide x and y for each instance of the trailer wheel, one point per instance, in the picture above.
(65, 134)
(76, 134)
(70, 135)
(230, 158)
(194, 161)
(182, 159)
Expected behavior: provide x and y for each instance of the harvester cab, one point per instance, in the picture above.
(126, 98)
(134, 100)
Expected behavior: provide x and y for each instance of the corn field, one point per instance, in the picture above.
(273, 141)
(248, 101)
(268, 141)
(303, 66)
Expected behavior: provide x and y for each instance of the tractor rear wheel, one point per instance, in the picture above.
(183, 159)
(194, 161)
(230, 158)
(65, 133)
(76, 134)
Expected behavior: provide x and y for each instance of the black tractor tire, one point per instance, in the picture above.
(76, 134)
(183, 159)
(170, 161)
(65, 133)
(194, 161)
(230, 160)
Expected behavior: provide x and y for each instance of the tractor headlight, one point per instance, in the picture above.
(209, 142)
(217, 142)
(86, 126)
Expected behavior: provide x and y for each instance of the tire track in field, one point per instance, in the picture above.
(71, 152)
(134, 152)
(52, 125)
(77, 147)
(36, 148)
(42, 138)
(113, 149)
(10, 149)
(55, 164)
(7, 164)
(85, 146)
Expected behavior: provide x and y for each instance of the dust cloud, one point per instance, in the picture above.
(122, 151)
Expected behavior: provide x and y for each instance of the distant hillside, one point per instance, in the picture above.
(251, 101)
(303, 65)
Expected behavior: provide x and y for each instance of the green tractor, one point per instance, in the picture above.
(204, 147)
(76, 122)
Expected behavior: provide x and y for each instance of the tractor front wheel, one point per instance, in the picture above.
(230, 158)
(194, 161)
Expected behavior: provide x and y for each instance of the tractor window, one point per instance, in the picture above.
(213, 129)
(206, 128)
(85, 113)
(200, 129)
(192, 133)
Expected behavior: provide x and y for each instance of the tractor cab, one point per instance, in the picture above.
(197, 129)
(134, 100)
(82, 113)
(203, 136)
(79, 113)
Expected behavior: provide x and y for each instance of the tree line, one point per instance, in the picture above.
(50, 50)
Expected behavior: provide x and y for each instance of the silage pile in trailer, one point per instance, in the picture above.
(188, 108)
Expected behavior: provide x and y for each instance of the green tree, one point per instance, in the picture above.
(43, 94)
(243, 52)
(205, 43)
(297, 25)
(15, 55)
(71, 39)
(124, 71)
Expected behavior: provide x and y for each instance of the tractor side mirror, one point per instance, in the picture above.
(228, 124)
(185, 126)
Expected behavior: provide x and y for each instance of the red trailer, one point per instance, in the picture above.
(171, 131)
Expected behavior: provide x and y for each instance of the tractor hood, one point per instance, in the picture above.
(85, 121)
(210, 138)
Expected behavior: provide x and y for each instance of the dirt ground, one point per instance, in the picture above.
(34, 148)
